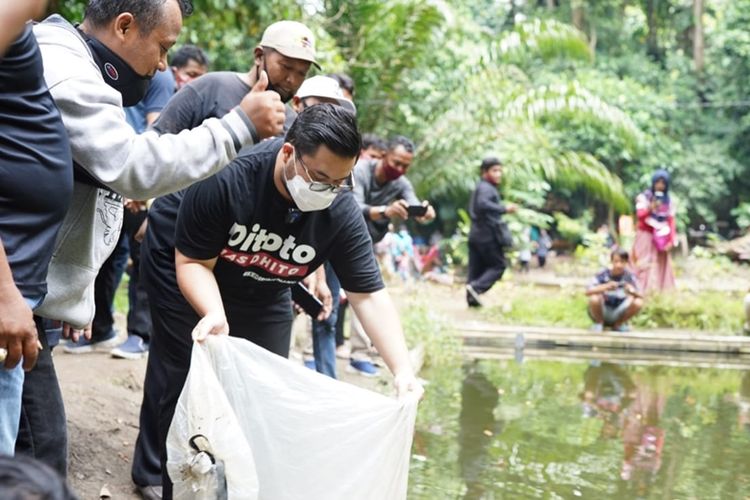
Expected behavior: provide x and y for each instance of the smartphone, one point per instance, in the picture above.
(307, 301)
(416, 210)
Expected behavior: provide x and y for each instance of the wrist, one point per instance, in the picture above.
(382, 211)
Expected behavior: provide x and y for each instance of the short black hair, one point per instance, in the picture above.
(24, 477)
(373, 141)
(621, 253)
(490, 162)
(148, 13)
(344, 81)
(327, 125)
(186, 53)
(400, 140)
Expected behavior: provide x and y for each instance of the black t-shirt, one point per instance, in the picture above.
(36, 167)
(263, 245)
(210, 96)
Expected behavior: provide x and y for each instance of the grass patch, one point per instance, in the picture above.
(709, 311)
(423, 326)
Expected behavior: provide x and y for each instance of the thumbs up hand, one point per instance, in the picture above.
(264, 108)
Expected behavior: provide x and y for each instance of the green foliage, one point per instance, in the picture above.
(573, 230)
(583, 114)
(712, 312)
(742, 215)
(424, 326)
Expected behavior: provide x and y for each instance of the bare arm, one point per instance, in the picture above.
(17, 329)
(605, 287)
(380, 320)
(198, 284)
(14, 16)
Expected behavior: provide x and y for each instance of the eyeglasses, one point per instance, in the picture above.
(319, 187)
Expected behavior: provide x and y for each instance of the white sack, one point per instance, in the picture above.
(278, 430)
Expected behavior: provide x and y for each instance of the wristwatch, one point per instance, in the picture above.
(381, 212)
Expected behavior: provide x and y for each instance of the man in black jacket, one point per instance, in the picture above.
(487, 238)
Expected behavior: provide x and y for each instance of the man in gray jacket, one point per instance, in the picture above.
(92, 71)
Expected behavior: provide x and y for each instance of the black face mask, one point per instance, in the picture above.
(117, 73)
(284, 98)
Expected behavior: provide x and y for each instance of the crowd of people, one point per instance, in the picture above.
(220, 194)
(238, 187)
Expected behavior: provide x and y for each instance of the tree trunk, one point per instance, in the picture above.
(550, 4)
(698, 40)
(592, 39)
(578, 14)
(652, 39)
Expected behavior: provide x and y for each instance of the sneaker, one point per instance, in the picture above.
(597, 328)
(310, 363)
(472, 297)
(85, 345)
(363, 367)
(133, 348)
(622, 328)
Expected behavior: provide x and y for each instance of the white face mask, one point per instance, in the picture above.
(306, 199)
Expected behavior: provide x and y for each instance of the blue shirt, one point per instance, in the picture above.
(159, 92)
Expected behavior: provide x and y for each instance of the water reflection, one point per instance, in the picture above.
(498, 429)
(643, 437)
(476, 429)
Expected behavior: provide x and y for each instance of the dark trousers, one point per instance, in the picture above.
(42, 432)
(105, 288)
(340, 322)
(171, 346)
(168, 364)
(486, 265)
(139, 314)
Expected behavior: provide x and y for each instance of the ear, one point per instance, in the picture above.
(296, 104)
(258, 53)
(124, 25)
(287, 150)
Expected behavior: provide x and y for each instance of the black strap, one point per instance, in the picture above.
(81, 175)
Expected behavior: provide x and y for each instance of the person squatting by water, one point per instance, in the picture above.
(614, 297)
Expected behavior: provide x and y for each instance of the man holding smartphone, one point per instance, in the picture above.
(383, 192)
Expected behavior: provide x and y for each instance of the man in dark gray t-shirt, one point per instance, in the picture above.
(382, 192)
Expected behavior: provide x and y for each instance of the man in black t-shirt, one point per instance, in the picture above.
(246, 235)
(286, 53)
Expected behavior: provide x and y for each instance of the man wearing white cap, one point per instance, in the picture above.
(324, 90)
(320, 89)
(285, 53)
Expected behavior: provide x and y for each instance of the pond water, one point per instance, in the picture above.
(583, 429)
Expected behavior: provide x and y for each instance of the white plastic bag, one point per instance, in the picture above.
(275, 430)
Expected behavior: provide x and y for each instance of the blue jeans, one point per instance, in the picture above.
(11, 387)
(324, 332)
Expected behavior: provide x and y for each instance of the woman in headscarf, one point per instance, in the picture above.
(655, 235)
